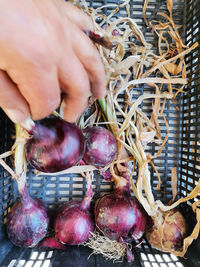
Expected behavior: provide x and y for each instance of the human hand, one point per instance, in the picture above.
(43, 49)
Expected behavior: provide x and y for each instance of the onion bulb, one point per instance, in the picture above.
(101, 146)
(73, 223)
(28, 221)
(54, 145)
(167, 231)
(119, 216)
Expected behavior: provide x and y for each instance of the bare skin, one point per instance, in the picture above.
(44, 50)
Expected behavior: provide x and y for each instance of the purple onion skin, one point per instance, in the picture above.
(115, 33)
(106, 174)
(73, 222)
(27, 222)
(119, 215)
(101, 146)
(51, 242)
(55, 145)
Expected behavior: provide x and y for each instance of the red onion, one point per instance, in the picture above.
(55, 145)
(28, 221)
(73, 222)
(118, 215)
(167, 231)
(101, 146)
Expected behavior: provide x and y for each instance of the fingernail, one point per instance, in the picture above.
(15, 115)
(62, 108)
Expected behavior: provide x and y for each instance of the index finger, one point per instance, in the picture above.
(91, 60)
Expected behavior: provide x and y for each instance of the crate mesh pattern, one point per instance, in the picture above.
(181, 150)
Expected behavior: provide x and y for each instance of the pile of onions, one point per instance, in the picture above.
(54, 145)
(101, 146)
(119, 216)
(73, 222)
(28, 221)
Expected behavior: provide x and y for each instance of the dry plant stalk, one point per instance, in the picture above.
(18, 150)
(174, 180)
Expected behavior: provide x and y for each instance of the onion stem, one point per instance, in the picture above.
(19, 157)
(28, 124)
(102, 103)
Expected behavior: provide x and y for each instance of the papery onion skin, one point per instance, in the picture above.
(101, 146)
(167, 231)
(27, 222)
(55, 145)
(118, 215)
(73, 223)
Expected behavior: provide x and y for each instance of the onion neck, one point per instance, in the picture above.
(25, 197)
(28, 124)
(122, 185)
(85, 203)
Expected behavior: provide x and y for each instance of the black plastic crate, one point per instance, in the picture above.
(182, 150)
